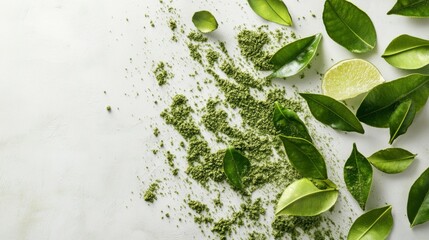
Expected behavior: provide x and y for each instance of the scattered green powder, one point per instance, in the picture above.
(170, 158)
(194, 52)
(109, 108)
(197, 37)
(257, 236)
(255, 136)
(172, 24)
(161, 73)
(156, 132)
(240, 76)
(212, 57)
(150, 194)
(251, 45)
(197, 206)
(180, 117)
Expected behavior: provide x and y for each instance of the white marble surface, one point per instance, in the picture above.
(69, 169)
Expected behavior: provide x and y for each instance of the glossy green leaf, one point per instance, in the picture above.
(306, 159)
(333, 113)
(305, 197)
(358, 176)
(235, 166)
(204, 21)
(381, 101)
(272, 10)
(392, 160)
(294, 57)
(411, 8)
(401, 119)
(288, 123)
(349, 26)
(372, 225)
(407, 52)
(418, 200)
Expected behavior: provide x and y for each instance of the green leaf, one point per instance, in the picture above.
(307, 198)
(306, 159)
(288, 123)
(411, 8)
(272, 10)
(358, 176)
(401, 119)
(349, 26)
(418, 200)
(294, 57)
(381, 101)
(333, 113)
(235, 166)
(375, 224)
(407, 52)
(204, 21)
(392, 160)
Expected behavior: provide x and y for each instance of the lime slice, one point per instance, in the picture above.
(350, 78)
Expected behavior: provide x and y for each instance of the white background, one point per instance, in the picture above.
(71, 170)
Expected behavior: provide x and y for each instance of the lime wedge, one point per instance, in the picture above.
(350, 78)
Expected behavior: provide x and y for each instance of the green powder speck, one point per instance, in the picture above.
(197, 206)
(161, 73)
(156, 132)
(170, 158)
(150, 194)
(257, 236)
(172, 24)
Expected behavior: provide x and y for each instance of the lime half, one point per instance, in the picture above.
(350, 78)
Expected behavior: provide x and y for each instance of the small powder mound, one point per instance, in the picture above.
(172, 24)
(194, 52)
(179, 115)
(251, 44)
(161, 73)
(150, 194)
(197, 206)
(212, 57)
(197, 37)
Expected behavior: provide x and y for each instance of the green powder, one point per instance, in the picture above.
(197, 37)
(197, 206)
(212, 57)
(156, 132)
(172, 24)
(251, 45)
(241, 77)
(255, 136)
(194, 52)
(180, 117)
(257, 236)
(161, 73)
(170, 158)
(150, 194)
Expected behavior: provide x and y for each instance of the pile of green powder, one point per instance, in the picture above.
(241, 116)
(150, 193)
(161, 73)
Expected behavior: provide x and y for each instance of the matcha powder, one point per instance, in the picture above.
(240, 115)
